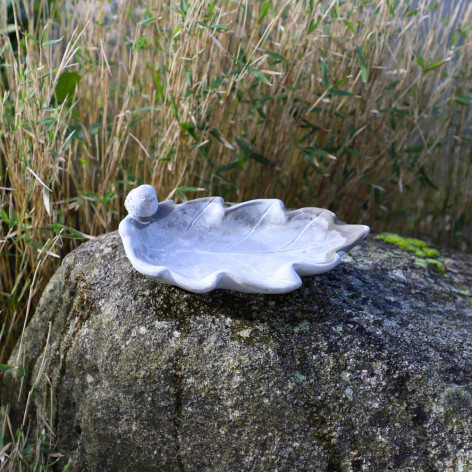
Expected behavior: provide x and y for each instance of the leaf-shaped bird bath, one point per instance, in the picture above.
(256, 246)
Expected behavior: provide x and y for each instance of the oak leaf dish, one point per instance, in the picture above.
(256, 246)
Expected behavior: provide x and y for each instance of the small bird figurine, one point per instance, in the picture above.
(142, 202)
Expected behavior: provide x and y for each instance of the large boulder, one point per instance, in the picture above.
(364, 368)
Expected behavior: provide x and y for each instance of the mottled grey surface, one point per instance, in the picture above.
(252, 247)
(364, 368)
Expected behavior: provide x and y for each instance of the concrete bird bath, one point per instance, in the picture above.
(256, 246)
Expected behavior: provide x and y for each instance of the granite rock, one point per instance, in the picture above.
(365, 368)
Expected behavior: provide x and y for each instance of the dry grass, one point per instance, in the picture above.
(361, 107)
(29, 445)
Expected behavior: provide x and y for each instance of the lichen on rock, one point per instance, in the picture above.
(366, 367)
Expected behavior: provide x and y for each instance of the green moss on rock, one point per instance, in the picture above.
(426, 256)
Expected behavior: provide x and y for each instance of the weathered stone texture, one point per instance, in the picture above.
(367, 367)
